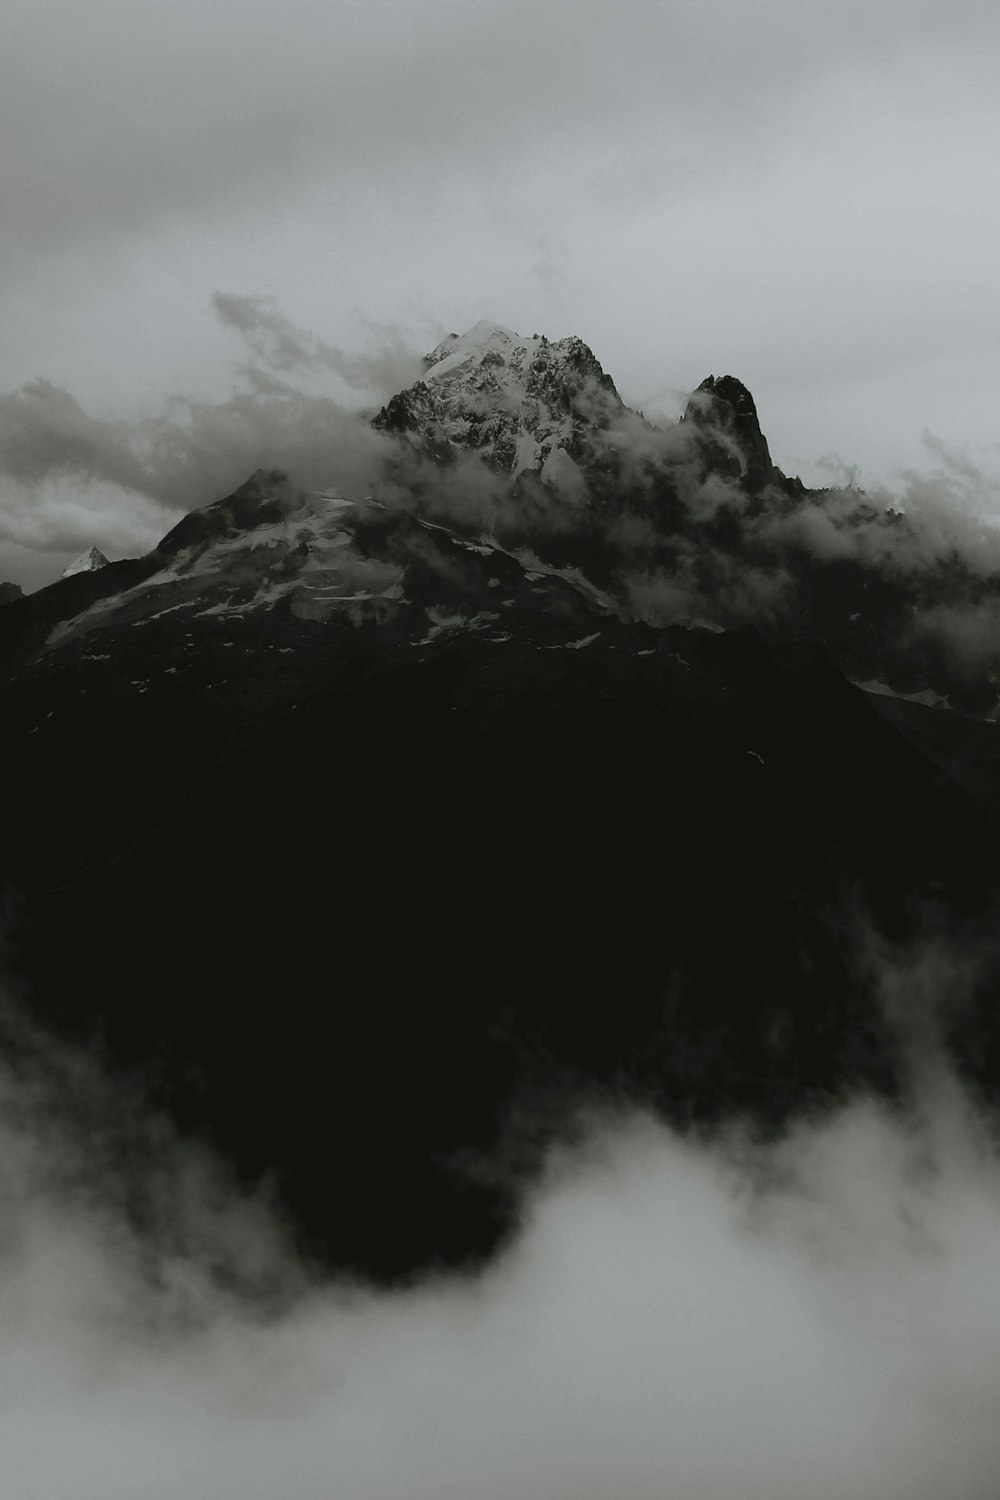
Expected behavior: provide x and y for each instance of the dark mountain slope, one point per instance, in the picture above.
(432, 902)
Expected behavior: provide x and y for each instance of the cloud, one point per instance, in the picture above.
(277, 344)
(45, 431)
(964, 637)
(200, 450)
(69, 480)
(41, 523)
(952, 511)
(713, 1315)
(955, 504)
(918, 565)
(198, 114)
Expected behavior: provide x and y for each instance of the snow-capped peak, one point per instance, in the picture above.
(88, 562)
(525, 405)
(467, 350)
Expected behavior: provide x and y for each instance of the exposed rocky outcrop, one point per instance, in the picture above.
(724, 411)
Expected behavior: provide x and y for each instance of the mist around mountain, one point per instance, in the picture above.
(500, 937)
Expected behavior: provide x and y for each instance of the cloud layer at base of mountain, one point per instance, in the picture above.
(709, 1310)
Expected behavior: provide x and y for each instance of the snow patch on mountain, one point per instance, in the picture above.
(322, 557)
(563, 474)
(306, 553)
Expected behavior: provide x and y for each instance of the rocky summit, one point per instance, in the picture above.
(571, 758)
(724, 409)
(523, 405)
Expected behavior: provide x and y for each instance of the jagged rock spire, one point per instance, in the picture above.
(725, 407)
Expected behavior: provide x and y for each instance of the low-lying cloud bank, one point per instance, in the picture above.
(709, 1316)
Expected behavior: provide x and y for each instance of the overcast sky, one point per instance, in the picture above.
(804, 194)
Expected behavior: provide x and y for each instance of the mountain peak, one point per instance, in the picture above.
(87, 562)
(525, 405)
(727, 388)
(723, 407)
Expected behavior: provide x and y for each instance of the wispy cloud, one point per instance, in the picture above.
(277, 344)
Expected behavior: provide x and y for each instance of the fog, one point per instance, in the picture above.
(712, 1315)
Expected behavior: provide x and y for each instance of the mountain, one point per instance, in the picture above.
(9, 592)
(371, 834)
(694, 523)
(88, 562)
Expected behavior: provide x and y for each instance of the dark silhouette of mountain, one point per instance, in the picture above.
(374, 836)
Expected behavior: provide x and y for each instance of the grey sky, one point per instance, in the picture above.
(802, 194)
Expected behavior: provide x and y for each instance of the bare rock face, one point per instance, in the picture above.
(724, 410)
(9, 592)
